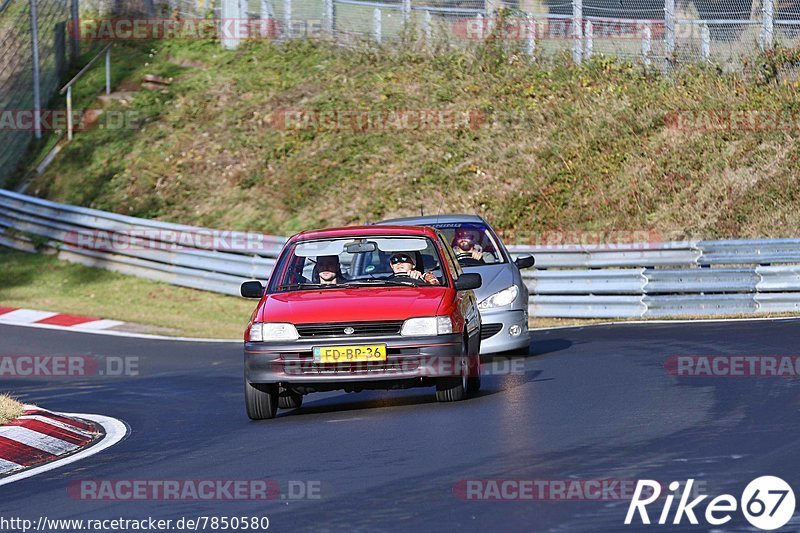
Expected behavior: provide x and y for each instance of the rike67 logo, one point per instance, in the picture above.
(767, 503)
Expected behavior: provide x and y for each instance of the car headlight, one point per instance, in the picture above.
(500, 298)
(273, 331)
(427, 325)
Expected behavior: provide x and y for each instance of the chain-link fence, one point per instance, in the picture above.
(31, 34)
(657, 32)
(660, 33)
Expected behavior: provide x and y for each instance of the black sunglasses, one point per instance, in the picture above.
(400, 259)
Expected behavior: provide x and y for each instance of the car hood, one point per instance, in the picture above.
(351, 304)
(493, 278)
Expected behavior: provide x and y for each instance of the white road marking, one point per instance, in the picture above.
(121, 333)
(8, 466)
(98, 324)
(26, 316)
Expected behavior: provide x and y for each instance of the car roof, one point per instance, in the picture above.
(366, 231)
(435, 219)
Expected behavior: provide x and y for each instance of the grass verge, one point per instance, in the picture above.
(9, 409)
(47, 284)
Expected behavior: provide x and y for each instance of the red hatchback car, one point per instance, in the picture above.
(365, 307)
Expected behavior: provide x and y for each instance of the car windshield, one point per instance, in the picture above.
(390, 261)
(473, 243)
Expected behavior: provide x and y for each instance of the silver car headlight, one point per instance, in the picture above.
(426, 326)
(273, 331)
(500, 298)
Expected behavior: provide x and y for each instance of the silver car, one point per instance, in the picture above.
(503, 297)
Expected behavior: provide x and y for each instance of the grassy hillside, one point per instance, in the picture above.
(551, 146)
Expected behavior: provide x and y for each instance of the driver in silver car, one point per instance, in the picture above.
(466, 245)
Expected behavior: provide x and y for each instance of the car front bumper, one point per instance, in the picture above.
(408, 358)
(500, 321)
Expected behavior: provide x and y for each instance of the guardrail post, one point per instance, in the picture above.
(69, 113)
(230, 10)
(108, 70)
(530, 35)
(588, 49)
(376, 25)
(669, 31)
(766, 24)
(426, 26)
(287, 18)
(327, 17)
(37, 99)
(646, 42)
(705, 42)
(577, 30)
(75, 41)
(406, 13)
(266, 18)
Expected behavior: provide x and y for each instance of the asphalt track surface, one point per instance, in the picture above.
(589, 403)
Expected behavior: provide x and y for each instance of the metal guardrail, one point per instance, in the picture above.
(688, 278)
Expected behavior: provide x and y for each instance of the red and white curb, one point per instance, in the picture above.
(12, 315)
(42, 440)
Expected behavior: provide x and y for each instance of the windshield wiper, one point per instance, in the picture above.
(304, 286)
(378, 281)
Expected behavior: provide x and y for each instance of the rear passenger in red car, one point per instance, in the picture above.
(328, 270)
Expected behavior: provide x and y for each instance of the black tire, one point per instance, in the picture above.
(288, 399)
(453, 389)
(261, 400)
(474, 382)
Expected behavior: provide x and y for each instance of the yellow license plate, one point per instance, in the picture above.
(350, 354)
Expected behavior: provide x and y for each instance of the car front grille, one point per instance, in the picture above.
(360, 329)
(490, 330)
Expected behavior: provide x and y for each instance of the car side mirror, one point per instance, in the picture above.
(524, 261)
(466, 282)
(252, 289)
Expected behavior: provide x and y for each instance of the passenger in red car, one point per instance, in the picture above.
(403, 264)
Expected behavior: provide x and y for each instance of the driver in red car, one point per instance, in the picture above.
(465, 245)
(403, 264)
